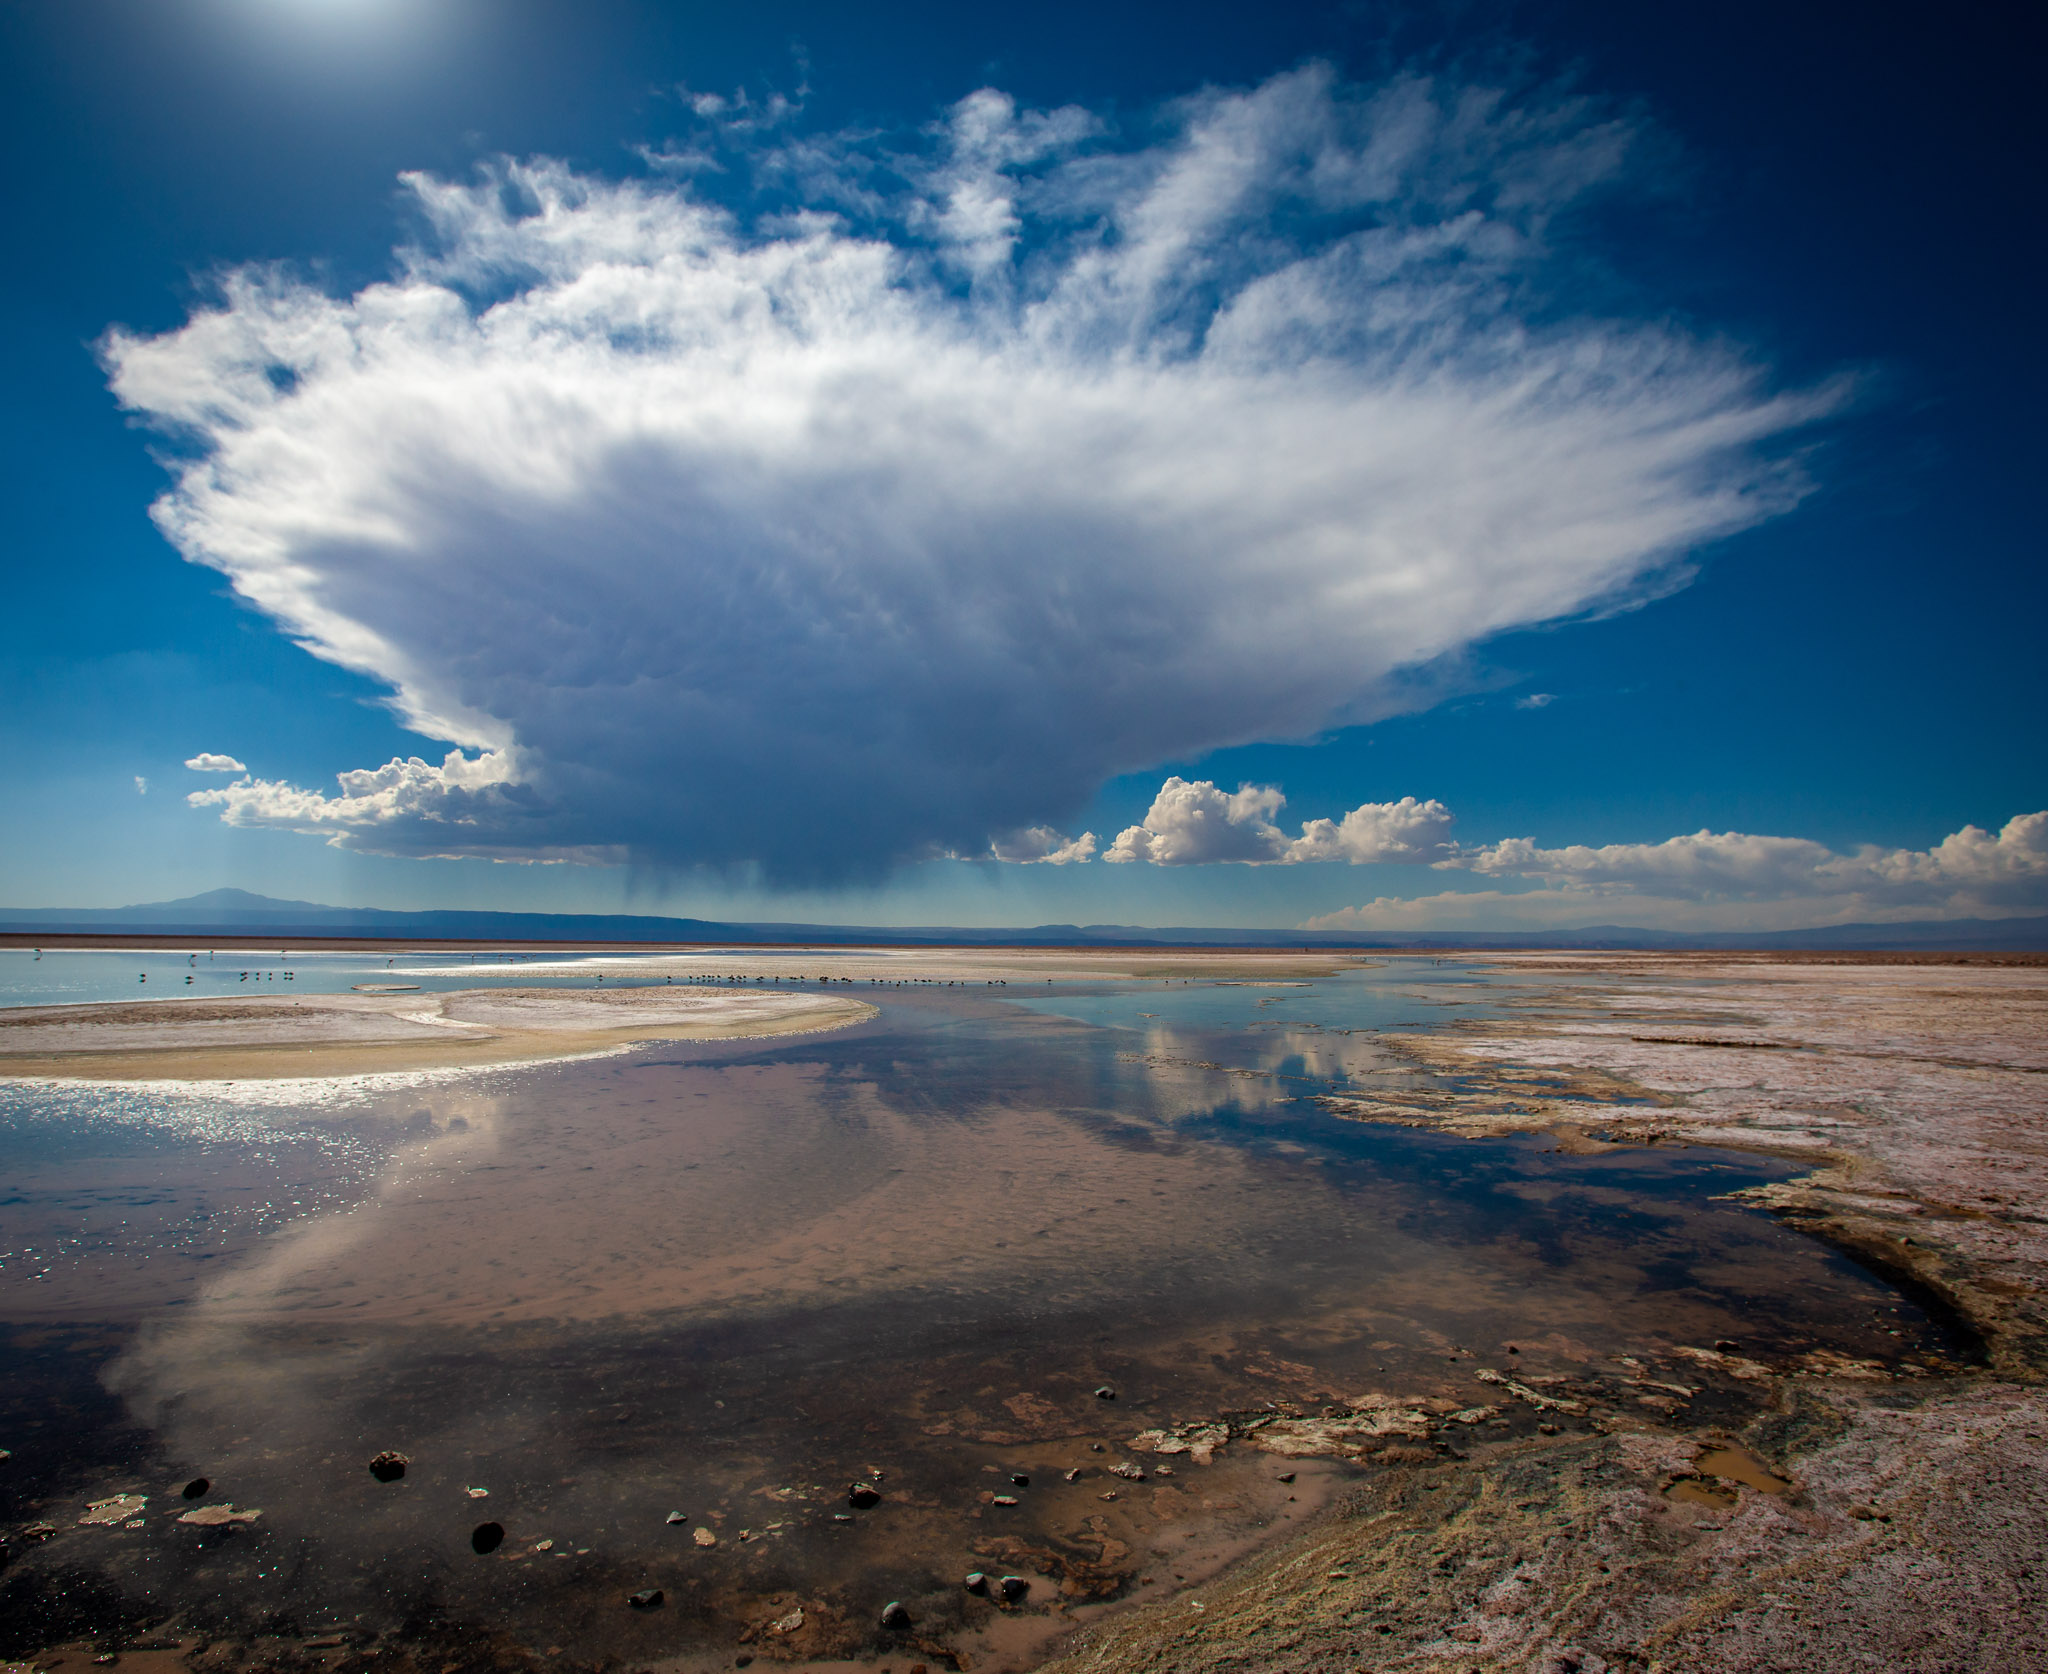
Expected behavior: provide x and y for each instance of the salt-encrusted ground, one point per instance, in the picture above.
(1911, 1528)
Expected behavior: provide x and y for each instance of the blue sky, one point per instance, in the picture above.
(859, 437)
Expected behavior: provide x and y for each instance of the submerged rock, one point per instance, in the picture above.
(648, 1598)
(486, 1537)
(389, 1466)
(197, 1489)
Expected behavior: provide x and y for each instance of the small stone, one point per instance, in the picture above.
(647, 1598)
(1727, 1345)
(389, 1466)
(675, 1517)
(1863, 1513)
(1105, 1393)
(197, 1489)
(894, 1615)
(478, 1493)
(486, 1537)
(543, 1545)
(105, 1659)
(1512, 1349)
(1162, 1470)
(1110, 1495)
(1284, 1476)
(842, 1517)
(976, 1583)
(1004, 1499)
(1014, 1587)
(861, 1495)
(1546, 1429)
(1021, 1480)
(1128, 1471)
(1074, 1475)
(704, 1537)
(1097, 1447)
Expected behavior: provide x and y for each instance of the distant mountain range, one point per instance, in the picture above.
(237, 913)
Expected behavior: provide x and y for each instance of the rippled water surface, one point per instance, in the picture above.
(724, 1280)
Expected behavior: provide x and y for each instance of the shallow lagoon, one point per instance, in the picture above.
(726, 1279)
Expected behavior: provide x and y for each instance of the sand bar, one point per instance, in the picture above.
(300, 1035)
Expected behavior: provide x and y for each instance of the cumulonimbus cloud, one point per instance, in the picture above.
(1015, 458)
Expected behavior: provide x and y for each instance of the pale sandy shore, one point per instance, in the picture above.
(315, 1035)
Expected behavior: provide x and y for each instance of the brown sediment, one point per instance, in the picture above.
(334, 1035)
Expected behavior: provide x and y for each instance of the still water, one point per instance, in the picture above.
(651, 1314)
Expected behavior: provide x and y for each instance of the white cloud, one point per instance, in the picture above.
(1040, 845)
(1731, 880)
(1408, 831)
(467, 807)
(1536, 700)
(1193, 823)
(207, 762)
(830, 539)
(141, 785)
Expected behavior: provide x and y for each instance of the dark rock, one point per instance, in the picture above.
(1097, 1447)
(648, 1598)
(894, 1615)
(861, 1495)
(198, 1488)
(1726, 1345)
(743, 1660)
(1512, 1349)
(1014, 1587)
(1284, 1476)
(389, 1466)
(675, 1517)
(1004, 1499)
(977, 1583)
(1105, 1393)
(486, 1537)
(1021, 1480)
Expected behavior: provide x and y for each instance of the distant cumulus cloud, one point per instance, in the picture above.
(893, 515)
(1731, 878)
(1194, 823)
(207, 762)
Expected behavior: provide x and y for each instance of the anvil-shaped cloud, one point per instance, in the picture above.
(895, 522)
